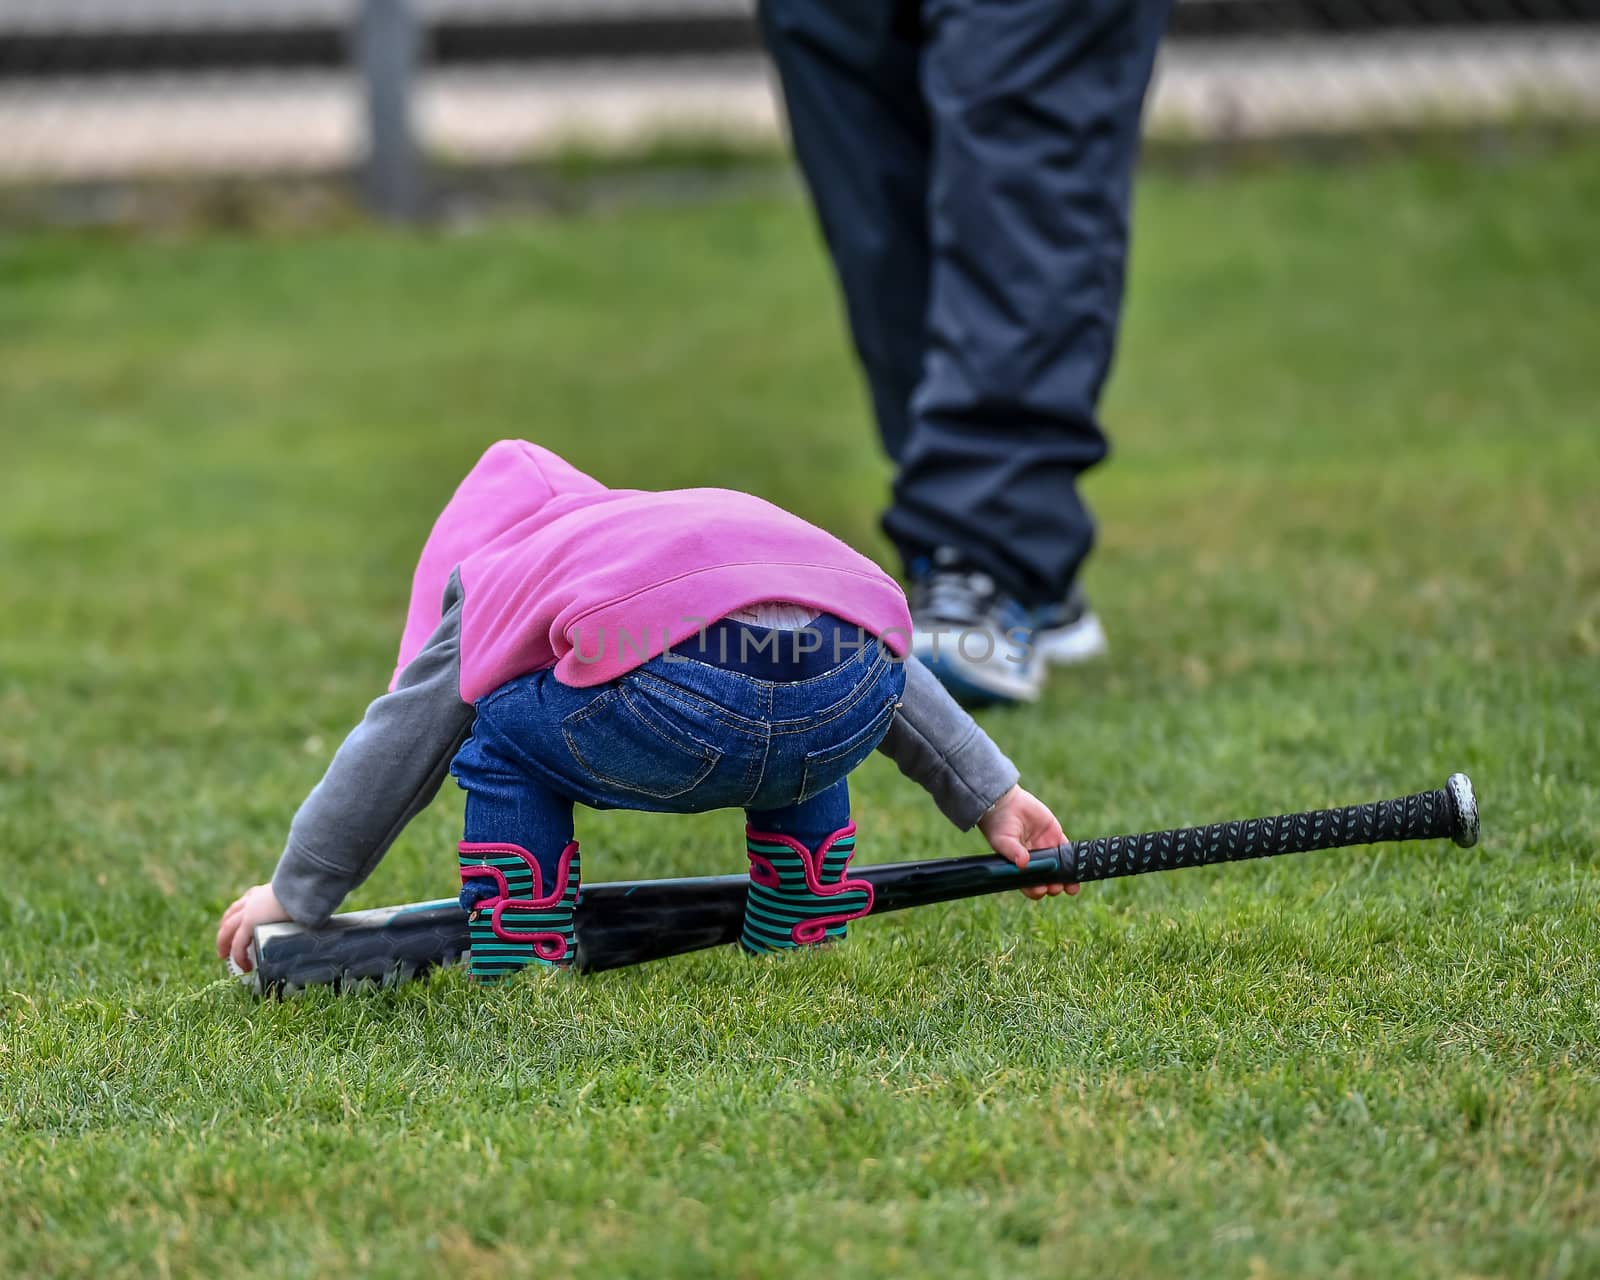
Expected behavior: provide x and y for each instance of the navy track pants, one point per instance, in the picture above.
(971, 164)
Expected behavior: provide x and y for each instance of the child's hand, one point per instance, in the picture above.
(1018, 822)
(256, 906)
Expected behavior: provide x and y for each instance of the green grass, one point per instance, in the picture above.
(1351, 542)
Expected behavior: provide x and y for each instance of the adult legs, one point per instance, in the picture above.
(850, 76)
(1034, 108)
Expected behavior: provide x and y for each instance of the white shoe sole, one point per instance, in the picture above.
(1082, 641)
(990, 678)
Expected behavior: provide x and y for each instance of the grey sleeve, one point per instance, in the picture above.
(384, 774)
(939, 746)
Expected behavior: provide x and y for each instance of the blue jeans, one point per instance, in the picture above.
(680, 735)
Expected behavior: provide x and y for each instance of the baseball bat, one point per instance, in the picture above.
(634, 921)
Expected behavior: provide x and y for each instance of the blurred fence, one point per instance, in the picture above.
(112, 89)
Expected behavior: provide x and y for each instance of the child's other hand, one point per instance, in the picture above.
(1018, 822)
(255, 906)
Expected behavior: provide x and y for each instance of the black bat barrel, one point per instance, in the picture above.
(384, 946)
(632, 921)
(627, 922)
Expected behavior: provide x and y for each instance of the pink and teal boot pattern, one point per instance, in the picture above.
(515, 921)
(800, 897)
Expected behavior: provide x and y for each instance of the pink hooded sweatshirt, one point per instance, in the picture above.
(559, 571)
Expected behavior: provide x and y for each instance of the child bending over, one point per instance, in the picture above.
(674, 652)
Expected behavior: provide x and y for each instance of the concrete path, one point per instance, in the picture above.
(247, 123)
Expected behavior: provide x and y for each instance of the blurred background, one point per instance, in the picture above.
(430, 101)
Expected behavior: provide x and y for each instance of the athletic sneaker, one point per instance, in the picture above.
(1068, 632)
(975, 638)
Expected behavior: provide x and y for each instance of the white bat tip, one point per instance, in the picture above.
(1465, 800)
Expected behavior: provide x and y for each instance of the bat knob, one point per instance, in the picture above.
(1465, 803)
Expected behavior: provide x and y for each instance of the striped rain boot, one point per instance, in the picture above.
(799, 898)
(514, 923)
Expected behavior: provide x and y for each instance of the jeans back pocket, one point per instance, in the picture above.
(825, 766)
(633, 747)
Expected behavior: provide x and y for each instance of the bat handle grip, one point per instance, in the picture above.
(1451, 812)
